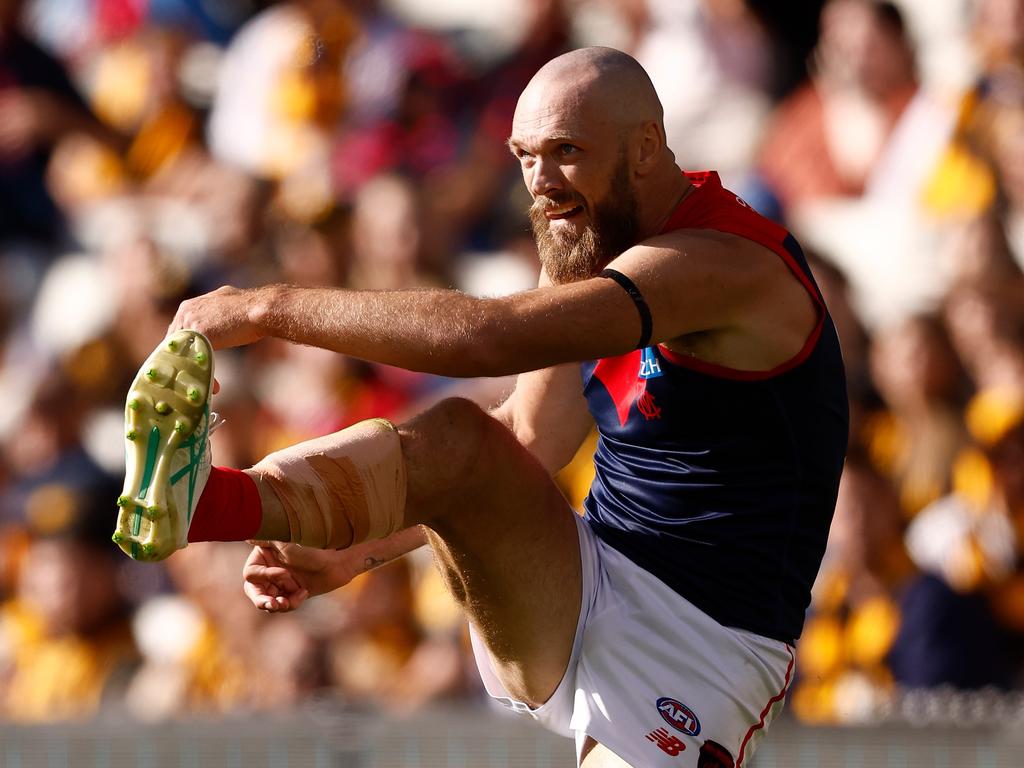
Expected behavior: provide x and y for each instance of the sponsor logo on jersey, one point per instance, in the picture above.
(678, 715)
(714, 755)
(667, 743)
(650, 368)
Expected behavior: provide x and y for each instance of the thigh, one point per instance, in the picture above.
(504, 538)
(594, 755)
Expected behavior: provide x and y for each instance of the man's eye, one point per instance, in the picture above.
(521, 153)
(568, 149)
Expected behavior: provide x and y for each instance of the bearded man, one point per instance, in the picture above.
(658, 627)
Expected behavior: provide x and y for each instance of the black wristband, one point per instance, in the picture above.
(646, 325)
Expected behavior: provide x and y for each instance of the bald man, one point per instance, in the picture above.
(658, 627)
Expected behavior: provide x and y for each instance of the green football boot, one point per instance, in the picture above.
(167, 447)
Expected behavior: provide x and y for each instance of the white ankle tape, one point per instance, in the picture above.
(341, 489)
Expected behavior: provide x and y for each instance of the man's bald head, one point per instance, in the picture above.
(597, 81)
(589, 135)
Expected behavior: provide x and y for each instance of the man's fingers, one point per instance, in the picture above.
(282, 603)
(273, 604)
(187, 316)
(269, 586)
(260, 571)
(175, 324)
(255, 594)
(277, 603)
(271, 574)
(267, 597)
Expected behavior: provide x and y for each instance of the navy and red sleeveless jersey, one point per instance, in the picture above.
(721, 482)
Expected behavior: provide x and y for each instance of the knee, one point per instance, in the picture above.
(459, 415)
(453, 438)
(455, 428)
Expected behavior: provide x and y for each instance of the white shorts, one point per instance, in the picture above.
(654, 679)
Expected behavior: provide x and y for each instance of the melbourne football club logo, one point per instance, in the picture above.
(646, 405)
(678, 715)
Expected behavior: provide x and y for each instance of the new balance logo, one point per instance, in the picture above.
(666, 742)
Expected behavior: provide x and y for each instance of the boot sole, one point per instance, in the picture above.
(166, 404)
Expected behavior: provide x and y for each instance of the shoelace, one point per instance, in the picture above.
(216, 422)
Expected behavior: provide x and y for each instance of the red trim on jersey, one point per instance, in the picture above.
(767, 708)
(724, 372)
(752, 232)
(705, 208)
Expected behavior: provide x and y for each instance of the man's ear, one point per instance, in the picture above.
(649, 147)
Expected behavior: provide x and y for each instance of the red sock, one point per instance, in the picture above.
(229, 509)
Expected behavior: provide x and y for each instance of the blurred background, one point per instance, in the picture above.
(151, 150)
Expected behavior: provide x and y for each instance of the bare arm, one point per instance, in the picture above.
(435, 331)
(547, 411)
(691, 282)
(548, 414)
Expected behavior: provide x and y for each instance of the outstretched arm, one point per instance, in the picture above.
(690, 281)
(437, 331)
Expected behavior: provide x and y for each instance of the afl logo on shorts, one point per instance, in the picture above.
(678, 715)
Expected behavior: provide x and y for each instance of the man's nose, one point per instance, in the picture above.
(545, 177)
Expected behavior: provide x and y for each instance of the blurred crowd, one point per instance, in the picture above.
(151, 150)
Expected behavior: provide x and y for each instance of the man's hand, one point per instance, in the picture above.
(281, 577)
(225, 316)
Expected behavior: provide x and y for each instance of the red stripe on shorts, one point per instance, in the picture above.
(767, 708)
